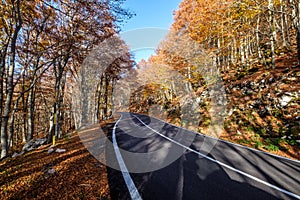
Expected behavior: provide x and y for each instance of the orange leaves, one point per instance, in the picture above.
(52, 39)
(77, 173)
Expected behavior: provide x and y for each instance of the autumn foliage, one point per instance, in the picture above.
(241, 54)
(43, 45)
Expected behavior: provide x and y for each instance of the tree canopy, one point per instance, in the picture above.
(43, 44)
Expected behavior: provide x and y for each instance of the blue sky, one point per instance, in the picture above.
(149, 13)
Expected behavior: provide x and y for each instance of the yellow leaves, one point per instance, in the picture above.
(244, 10)
(277, 2)
(43, 44)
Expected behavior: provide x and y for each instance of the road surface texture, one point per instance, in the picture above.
(226, 171)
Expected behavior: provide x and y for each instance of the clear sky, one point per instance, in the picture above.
(149, 13)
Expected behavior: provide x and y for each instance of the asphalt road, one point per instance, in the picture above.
(186, 165)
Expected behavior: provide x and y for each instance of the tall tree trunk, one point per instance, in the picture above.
(282, 24)
(298, 43)
(272, 31)
(11, 124)
(10, 82)
(31, 104)
(99, 96)
(113, 83)
(59, 72)
(106, 96)
(59, 104)
(51, 129)
(247, 49)
(24, 109)
(287, 22)
(2, 69)
(295, 6)
(257, 38)
(242, 53)
(84, 100)
(234, 51)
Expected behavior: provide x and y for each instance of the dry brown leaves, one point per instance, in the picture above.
(78, 175)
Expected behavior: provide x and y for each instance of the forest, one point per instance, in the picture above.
(252, 47)
(43, 45)
(230, 66)
(240, 60)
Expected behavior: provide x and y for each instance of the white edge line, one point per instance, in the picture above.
(135, 195)
(223, 164)
(228, 142)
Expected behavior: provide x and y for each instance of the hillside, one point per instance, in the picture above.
(253, 49)
(74, 174)
(264, 107)
(261, 109)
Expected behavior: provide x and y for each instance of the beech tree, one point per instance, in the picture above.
(227, 28)
(43, 44)
(227, 36)
(295, 14)
(12, 26)
(98, 76)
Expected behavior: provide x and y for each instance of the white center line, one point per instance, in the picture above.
(223, 164)
(231, 143)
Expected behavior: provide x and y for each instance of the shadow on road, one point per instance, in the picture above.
(189, 177)
(146, 119)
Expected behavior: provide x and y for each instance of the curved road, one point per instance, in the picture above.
(227, 171)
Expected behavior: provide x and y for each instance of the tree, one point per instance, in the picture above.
(100, 71)
(16, 25)
(43, 44)
(295, 14)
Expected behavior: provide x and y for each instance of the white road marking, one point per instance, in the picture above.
(135, 195)
(223, 164)
(234, 144)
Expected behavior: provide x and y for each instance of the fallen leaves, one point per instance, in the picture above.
(69, 174)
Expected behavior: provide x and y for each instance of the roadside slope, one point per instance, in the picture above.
(74, 174)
